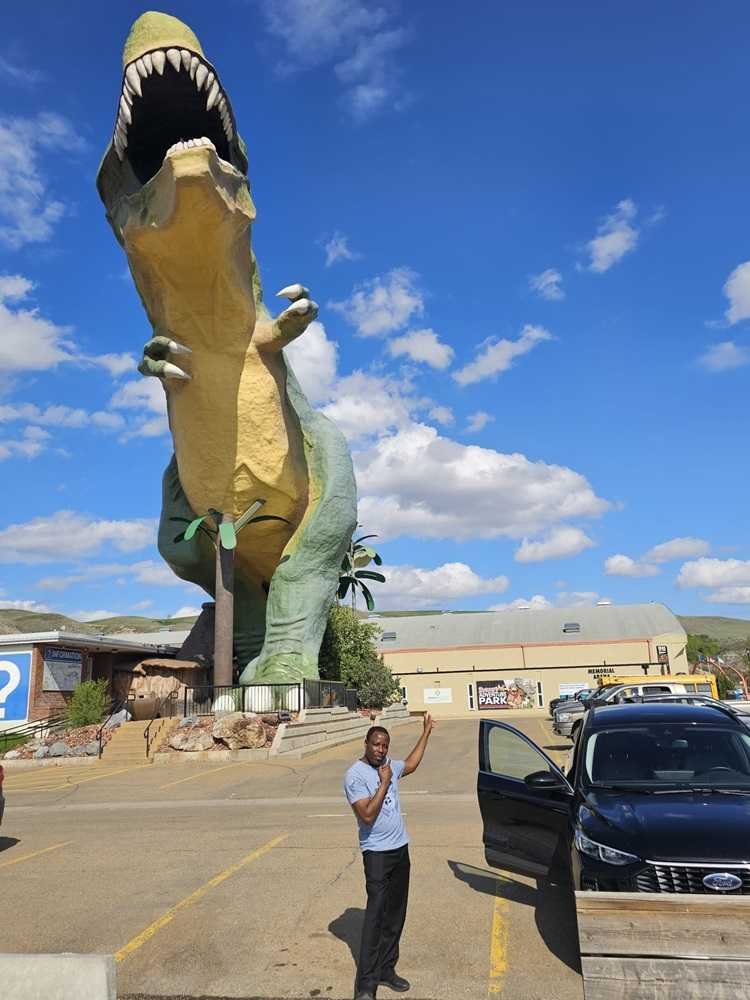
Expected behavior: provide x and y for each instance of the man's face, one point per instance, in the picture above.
(376, 749)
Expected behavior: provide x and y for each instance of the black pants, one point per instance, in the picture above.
(387, 879)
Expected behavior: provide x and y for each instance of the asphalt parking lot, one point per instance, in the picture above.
(244, 880)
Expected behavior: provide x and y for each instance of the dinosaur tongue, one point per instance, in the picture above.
(170, 97)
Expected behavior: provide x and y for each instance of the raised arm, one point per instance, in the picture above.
(414, 759)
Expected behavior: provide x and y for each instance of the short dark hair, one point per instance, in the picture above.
(373, 730)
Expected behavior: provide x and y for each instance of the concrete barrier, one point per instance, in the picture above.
(320, 728)
(58, 977)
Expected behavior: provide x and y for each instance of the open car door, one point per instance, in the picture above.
(525, 801)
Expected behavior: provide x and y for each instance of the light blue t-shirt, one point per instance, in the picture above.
(388, 831)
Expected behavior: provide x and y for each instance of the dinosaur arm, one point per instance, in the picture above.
(273, 335)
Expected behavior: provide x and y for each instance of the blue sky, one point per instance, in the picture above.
(526, 227)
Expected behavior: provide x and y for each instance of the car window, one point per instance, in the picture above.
(656, 689)
(510, 756)
(668, 755)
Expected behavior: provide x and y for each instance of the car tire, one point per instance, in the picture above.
(575, 731)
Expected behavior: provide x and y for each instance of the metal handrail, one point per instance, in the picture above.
(26, 729)
(116, 707)
(171, 698)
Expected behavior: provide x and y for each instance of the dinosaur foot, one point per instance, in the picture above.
(280, 668)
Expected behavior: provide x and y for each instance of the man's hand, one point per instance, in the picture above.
(385, 773)
(427, 723)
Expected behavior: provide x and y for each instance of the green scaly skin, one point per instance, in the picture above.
(277, 634)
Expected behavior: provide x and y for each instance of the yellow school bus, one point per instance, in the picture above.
(693, 683)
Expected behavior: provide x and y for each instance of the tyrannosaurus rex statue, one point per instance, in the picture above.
(174, 184)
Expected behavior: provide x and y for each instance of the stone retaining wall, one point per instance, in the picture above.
(320, 728)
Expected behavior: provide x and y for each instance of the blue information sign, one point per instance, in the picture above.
(15, 671)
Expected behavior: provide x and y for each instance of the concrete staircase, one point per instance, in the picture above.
(128, 744)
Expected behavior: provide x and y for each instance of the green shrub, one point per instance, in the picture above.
(349, 653)
(88, 704)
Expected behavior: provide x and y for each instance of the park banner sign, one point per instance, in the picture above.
(62, 668)
(517, 693)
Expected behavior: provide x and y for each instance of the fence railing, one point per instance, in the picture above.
(260, 698)
(16, 735)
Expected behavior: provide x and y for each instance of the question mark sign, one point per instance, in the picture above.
(14, 679)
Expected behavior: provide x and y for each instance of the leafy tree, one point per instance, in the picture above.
(353, 572)
(701, 645)
(348, 653)
(88, 703)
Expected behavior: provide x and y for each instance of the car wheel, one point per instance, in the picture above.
(575, 731)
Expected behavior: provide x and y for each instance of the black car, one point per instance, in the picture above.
(657, 800)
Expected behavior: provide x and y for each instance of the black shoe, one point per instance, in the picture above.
(364, 995)
(397, 983)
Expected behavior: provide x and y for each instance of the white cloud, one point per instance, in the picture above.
(337, 248)
(497, 356)
(622, 565)
(68, 535)
(28, 342)
(93, 616)
(353, 35)
(737, 290)
(142, 605)
(422, 345)
(314, 358)
(115, 364)
(616, 237)
(558, 544)
(186, 611)
(382, 305)
(59, 416)
(13, 71)
(415, 482)
(579, 599)
(442, 415)
(729, 595)
(714, 573)
(31, 444)
(724, 356)
(677, 548)
(28, 214)
(23, 606)
(410, 587)
(548, 285)
(536, 603)
(477, 421)
(146, 571)
(367, 405)
(147, 398)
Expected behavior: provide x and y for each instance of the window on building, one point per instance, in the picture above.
(571, 627)
(539, 695)
(470, 695)
(388, 637)
(404, 694)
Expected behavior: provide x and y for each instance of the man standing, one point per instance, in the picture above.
(371, 786)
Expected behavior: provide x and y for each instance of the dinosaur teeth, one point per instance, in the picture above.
(177, 60)
(179, 147)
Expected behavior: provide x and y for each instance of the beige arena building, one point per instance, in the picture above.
(458, 664)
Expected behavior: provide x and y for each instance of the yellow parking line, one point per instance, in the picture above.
(34, 854)
(171, 913)
(203, 774)
(97, 777)
(498, 944)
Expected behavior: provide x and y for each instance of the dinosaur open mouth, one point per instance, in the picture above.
(170, 97)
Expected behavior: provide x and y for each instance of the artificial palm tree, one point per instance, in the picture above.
(353, 572)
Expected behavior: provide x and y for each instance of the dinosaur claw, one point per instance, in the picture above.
(302, 307)
(176, 348)
(293, 292)
(172, 371)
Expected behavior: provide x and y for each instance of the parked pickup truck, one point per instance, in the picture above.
(568, 717)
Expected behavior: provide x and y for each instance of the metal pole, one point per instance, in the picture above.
(224, 622)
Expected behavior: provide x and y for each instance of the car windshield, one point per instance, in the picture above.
(661, 756)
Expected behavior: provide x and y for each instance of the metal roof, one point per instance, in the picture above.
(529, 627)
(98, 643)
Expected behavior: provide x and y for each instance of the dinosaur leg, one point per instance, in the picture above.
(195, 561)
(304, 583)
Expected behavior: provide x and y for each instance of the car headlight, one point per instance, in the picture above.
(563, 716)
(602, 853)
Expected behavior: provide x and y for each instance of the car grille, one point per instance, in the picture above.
(683, 878)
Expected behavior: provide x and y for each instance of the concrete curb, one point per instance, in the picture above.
(27, 765)
(58, 977)
(209, 756)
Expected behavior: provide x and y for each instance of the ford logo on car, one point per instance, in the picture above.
(722, 882)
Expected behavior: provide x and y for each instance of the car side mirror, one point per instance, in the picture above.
(543, 779)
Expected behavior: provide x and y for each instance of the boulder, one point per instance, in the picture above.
(240, 732)
(189, 720)
(59, 749)
(33, 745)
(191, 740)
(12, 755)
(41, 753)
(79, 751)
(118, 718)
(92, 748)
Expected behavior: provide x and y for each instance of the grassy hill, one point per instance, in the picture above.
(33, 621)
(730, 632)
